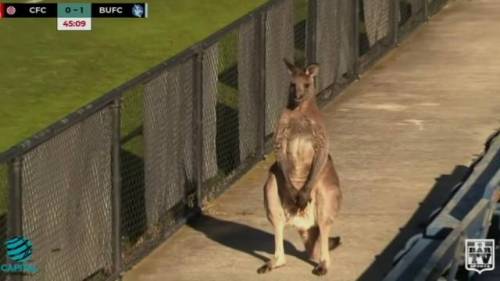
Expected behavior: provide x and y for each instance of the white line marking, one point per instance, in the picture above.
(382, 106)
(416, 122)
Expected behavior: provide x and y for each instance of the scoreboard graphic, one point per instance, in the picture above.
(74, 16)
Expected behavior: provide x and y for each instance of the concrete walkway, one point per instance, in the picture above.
(400, 137)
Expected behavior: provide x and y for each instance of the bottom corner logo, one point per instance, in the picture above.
(479, 255)
(19, 250)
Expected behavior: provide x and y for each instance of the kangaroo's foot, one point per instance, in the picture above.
(271, 265)
(321, 269)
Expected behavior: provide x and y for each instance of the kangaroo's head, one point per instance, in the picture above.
(301, 82)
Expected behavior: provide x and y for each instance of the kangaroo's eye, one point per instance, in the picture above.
(307, 85)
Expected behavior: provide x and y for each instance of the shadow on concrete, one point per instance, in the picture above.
(437, 197)
(242, 237)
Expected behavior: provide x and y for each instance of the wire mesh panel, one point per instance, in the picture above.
(210, 78)
(66, 201)
(301, 20)
(279, 45)
(3, 214)
(417, 6)
(411, 14)
(404, 12)
(133, 202)
(227, 109)
(226, 134)
(248, 85)
(346, 48)
(328, 41)
(377, 19)
(167, 139)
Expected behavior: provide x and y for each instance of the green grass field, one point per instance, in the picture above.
(47, 74)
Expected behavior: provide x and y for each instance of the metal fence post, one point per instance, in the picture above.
(260, 37)
(311, 32)
(116, 186)
(198, 125)
(15, 206)
(355, 39)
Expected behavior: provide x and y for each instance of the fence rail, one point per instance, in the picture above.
(120, 175)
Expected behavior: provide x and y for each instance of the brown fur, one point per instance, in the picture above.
(303, 187)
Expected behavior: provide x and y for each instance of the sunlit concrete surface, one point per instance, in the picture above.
(401, 137)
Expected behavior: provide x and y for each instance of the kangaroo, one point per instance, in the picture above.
(302, 188)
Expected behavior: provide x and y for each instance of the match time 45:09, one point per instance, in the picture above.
(74, 23)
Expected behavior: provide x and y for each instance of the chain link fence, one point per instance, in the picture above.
(346, 49)
(113, 180)
(328, 41)
(301, 22)
(66, 206)
(132, 172)
(279, 45)
(411, 14)
(377, 30)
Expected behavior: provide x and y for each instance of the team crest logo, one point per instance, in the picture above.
(137, 11)
(479, 255)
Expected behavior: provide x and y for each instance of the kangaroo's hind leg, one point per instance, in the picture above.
(310, 239)
(276, 216)
(328, 204)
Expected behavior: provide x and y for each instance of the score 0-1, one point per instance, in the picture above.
(74, 16)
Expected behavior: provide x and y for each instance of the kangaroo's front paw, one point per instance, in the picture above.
(302, 199)
(320, 269)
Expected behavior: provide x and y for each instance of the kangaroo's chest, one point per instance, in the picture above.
(300, 146)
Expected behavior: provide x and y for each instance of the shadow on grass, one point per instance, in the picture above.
(228, 138)
(227, 116)
(133, 203)
(300, 42)
(437, 197)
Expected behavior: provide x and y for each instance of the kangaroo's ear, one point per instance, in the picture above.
(312, 70)
(292, 69)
